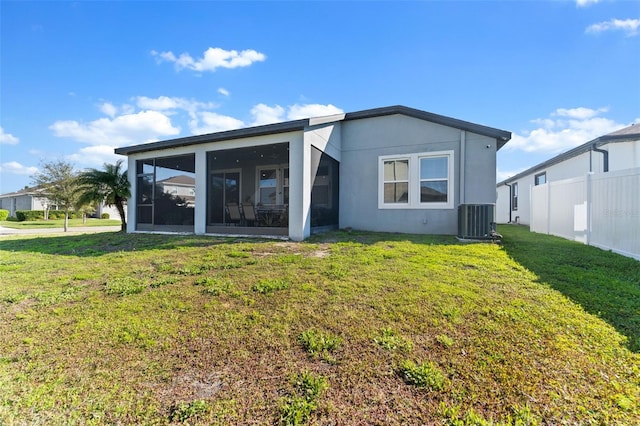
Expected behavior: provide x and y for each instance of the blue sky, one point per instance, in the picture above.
(78, 79)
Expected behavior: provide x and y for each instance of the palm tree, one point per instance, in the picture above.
(109, 186)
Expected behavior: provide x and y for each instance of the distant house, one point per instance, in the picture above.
(392, 169)
(180, 186)
(615, 151)
(32, 199)
(25, 199)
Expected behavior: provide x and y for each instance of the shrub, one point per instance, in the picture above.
(29, 215)
(56, 214)
(425, 376)
(104, 216)
(4, 214)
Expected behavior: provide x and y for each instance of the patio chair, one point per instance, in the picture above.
(250, 216)
(233, 213)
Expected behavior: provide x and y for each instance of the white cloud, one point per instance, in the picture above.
(7, 138)
(264, 114)
(169, 104)
(94, 156)
(210, 122)
(584, 3)
(213, 58)
(160, 103)
(629, 26)
(15, 168)
(109, 109)
(564, 129)
(223, 91)
(579, 113)
(297, 112)
(143, 126)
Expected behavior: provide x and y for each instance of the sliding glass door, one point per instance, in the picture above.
(224, 188)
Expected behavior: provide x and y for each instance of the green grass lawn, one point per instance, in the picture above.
(347, 328)
(57, 223)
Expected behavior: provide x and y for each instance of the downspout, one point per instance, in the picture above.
(605, 157)
(510, 198)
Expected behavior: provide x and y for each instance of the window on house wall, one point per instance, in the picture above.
(434, 177)
(396, 181)
(421, 180)
(541, 179)
(514, 196)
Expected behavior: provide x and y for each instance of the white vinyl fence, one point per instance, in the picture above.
(601, 210)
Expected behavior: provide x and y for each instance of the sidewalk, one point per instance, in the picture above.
(71, 230)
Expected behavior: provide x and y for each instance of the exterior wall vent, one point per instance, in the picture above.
(477, 221)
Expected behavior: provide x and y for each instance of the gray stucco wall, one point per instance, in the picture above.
(363, 141)
(20, 202)
(480, 170)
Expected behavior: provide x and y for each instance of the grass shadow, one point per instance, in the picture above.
(603, 283)
(100, 243)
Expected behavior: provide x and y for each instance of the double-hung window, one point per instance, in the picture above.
(396, 181)
(416, 181)
(434, 179)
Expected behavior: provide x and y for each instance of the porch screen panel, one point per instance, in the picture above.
(324, 193)
(165, 192)
(175, 191)
(144, 191)
(224, 188)
(216, 198)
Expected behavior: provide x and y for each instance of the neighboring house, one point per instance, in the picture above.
(615, 151)
(392, 169)
(180, 186)
(32, 199)
(25, 199)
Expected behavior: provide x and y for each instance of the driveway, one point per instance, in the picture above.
(72, 230)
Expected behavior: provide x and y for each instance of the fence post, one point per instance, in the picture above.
(589, 202)
(548, 208)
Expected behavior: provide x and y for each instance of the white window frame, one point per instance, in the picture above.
(382, 160)
(414, 181)
(281, 182)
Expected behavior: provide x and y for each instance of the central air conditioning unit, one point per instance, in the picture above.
(477, 221)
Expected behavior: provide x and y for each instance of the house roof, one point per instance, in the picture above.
(502, 136)
(26, 191)
(625, 134)
(179, 180)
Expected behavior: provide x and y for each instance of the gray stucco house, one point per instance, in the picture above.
(391, 169)
(33, 199)
(24, 199)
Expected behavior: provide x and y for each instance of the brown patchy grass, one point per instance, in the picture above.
(202, 343)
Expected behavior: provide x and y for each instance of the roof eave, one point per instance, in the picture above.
(247, 132)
